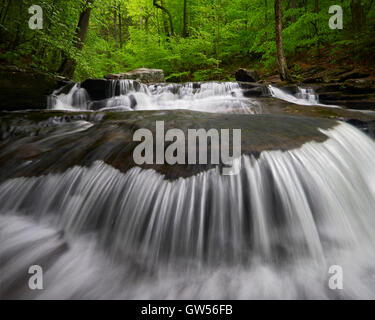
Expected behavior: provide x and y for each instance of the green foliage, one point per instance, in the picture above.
(127, 34)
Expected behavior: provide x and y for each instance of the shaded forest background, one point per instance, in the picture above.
(189, 39)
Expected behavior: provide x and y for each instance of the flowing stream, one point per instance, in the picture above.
(271, 231)
(129, 95)
(304, 96)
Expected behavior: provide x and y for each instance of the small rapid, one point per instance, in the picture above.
(303, 96)
(130, 95)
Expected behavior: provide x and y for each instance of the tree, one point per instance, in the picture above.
(191, 40)
(294, 6)
(358, 15)
(120, 24)
(266, 16)
(281, 60)
(68, 66)
(115, 8)
(165, 10)
(184, 28)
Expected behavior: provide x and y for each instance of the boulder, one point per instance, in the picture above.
(97, 105)
(26, 89)
(290, 88)
(247, 75)
(249, 85)
(98, 89)
(255, 92)
(142, 74)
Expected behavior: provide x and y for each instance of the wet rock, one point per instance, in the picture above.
(133, 101)
(353, 94)
(254, 89)
(353, 75)
(21, 89)
(290, 88)
(98, 89)
(247, 75)
(254, 92)
(326, 112)
(315, 79)
(249, 85)
(367, 127)
(332, 96)
(111, 139)
(65, 89)
(361, 82)
(354, 104)
(322, 75)
(97, 105)
(142, 74)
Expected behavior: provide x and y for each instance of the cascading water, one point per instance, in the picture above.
(129, 95)
(303, 96)
(272, 231)
(76, 98)
(72, 201)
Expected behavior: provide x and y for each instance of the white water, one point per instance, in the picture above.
(76, 99)
(304, 96)
(208, 97)
(270, 232)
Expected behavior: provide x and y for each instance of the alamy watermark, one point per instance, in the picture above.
(336, 281)
(336, 21)
(36, 20)
(178, 152)
(36, 280)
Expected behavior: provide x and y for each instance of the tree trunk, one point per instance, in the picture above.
(164, 21)
(266, 17)
(115, 25)
(161, 7)
(120, 25)
(316, 6)
(68, 66)
(3, 18)
(218, 30)
(316, 26)
(281, 61)
(140, 19)
(294, 6)
(358, 15)
(184, 29)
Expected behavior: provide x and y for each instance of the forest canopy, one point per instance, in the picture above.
(188, 39)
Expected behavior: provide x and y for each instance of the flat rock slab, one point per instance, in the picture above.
(142, 74)
(39, 149)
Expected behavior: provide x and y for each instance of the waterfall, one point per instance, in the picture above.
(76, 99)
(129, 95)
(303, 96)
(271, 231)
